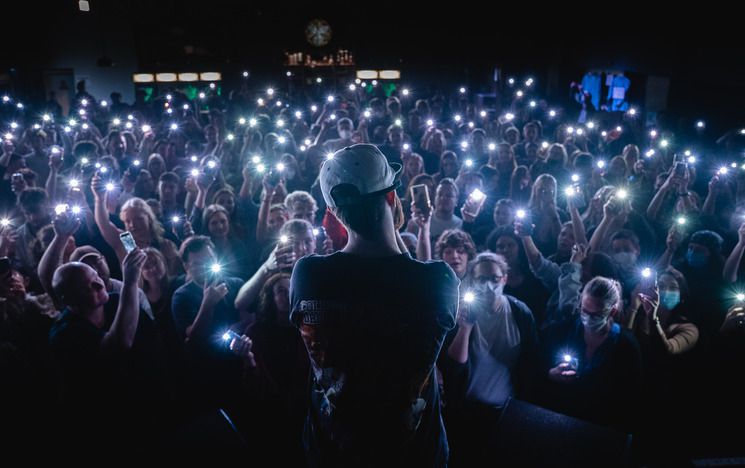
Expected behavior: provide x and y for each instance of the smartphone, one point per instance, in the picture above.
(274, 177)
(420, 199)
(649, 277)
(579, 196)
(679, 170)
(474, 202)
(321, 236)
(205, 178)
(128, 241)
(215, 273)
(5, 267)
(524, 217)
(133, 172)
(229, 337)
(571, 362)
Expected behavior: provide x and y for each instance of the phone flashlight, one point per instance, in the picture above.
(229, 336)
(464, 145)
(521, 214)
(329, 156)
(74, 183)
(174, 126)
(477, 195)
(469, 163)
(5, 222)
(146, 128)
(575, 177)
(469, 297)
(109, 186)
(175, 219)
(622, 194)
(283, 239)
(59, 209)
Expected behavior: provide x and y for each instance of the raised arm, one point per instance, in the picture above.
(109, 232)
(64, 227)
(121, 335)
(735, 257)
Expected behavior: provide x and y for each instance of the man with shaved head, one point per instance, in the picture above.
(110, 365)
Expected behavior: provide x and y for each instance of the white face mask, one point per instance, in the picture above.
(345, 134)
(489, 291)
(625, 259)
(595, 323)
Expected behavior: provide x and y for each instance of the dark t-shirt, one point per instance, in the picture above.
(188, 299)
(608, 386)
(373, 328)
(93, 378)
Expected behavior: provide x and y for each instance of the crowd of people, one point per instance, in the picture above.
(148, 250)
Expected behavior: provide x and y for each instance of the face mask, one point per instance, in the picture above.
(669, 299)
(345, 134)
(490, 289)
(696, 259)
(488, 292)
(625, 259)
(594, 323)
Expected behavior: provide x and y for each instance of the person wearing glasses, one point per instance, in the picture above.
(492, 356)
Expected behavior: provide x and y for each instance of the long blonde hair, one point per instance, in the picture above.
(156, 229)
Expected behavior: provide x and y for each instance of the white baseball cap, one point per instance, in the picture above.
(355, 173)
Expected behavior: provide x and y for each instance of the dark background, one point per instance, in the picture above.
(698, 46)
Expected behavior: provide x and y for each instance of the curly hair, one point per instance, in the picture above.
(456, 239)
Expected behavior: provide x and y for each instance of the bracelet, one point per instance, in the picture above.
(684, 194)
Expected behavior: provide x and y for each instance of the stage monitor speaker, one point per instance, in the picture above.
(528, 435)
